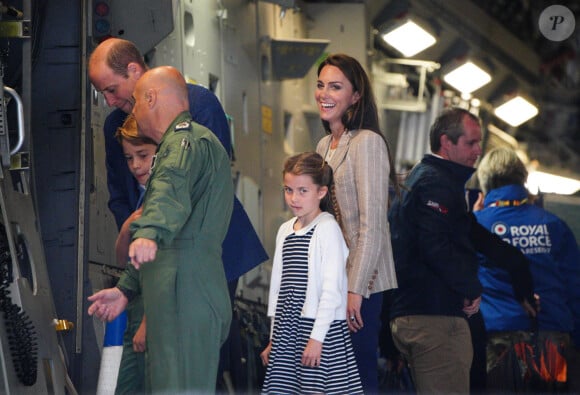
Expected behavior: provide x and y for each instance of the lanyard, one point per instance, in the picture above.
(508, 203)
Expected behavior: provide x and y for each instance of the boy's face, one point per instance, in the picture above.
(139, 159)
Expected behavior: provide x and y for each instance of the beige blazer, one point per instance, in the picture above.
(361, 173)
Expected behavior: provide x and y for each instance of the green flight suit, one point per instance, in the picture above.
(131, 377)
(186, 211)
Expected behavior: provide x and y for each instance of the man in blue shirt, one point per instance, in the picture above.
(115, 66)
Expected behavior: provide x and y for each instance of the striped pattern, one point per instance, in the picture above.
(337, 373)
(361, 174)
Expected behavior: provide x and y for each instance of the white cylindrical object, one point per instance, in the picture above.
(109, 371)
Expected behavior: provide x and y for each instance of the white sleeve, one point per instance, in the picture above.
(330, 255)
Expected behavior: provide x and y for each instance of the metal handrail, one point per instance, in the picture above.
(20, 110)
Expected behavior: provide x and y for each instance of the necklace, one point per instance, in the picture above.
(335, 140)
(329, 153)
(332, 145)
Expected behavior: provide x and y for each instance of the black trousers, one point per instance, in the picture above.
(478, 373)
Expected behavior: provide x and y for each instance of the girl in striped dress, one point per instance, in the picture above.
(310, 351)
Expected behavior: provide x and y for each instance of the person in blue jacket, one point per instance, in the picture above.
(115, 66)
(549, 245)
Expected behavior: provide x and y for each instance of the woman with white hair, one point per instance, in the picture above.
(552, 250)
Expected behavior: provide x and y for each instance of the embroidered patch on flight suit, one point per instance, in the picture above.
(185, 125)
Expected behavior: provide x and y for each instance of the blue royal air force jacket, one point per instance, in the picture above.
(550, 246)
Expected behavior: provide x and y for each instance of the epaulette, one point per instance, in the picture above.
(185, 125)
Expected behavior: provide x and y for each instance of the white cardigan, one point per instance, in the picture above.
(327, 288)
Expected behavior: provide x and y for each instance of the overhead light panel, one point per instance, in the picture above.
(539, 181)
(516, 111)
(467, 78)
(409, 39)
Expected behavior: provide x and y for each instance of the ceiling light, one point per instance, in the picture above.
(467, 77)
(539, 181)
(516, 111)
(409, 39)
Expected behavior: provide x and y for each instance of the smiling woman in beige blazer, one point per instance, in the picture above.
(359, 156)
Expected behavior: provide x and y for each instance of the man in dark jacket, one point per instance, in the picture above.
(435, 242)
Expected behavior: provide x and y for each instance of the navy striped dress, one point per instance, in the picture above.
(285, 374)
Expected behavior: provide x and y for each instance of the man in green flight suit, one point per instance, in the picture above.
(176, 243)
